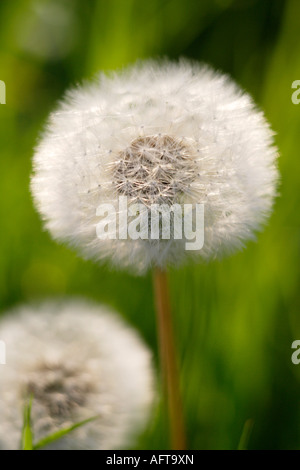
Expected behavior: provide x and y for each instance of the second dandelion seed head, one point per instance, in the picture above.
(76, 361)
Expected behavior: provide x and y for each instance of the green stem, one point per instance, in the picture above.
(168, 359)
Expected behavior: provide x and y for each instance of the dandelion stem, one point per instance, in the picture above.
(168, 359)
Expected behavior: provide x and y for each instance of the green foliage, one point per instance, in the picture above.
(60, 434)
(235, 320)
(27, 433)
(246, 434)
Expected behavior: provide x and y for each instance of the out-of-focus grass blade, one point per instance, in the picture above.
(245, 437)
(63, 432)
(27, 433)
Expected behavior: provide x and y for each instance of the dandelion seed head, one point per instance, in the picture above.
(78, 361)
(157, 133)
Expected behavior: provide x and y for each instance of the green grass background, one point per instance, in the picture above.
(235, 320)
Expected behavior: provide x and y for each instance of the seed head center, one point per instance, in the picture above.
(155, 169)
(60, 389)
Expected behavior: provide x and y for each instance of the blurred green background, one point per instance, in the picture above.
(235, 320)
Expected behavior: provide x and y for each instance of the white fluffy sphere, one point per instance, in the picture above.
(167, 133)
(79, 360)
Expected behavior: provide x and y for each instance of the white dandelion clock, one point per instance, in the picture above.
(156, 134)
(140, 165)
(78, 360)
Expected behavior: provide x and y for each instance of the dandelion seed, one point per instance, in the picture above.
(78, 360)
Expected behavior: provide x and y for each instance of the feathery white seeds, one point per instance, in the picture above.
(158, 133)
(79, 361)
